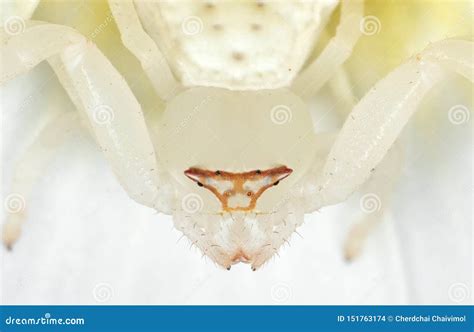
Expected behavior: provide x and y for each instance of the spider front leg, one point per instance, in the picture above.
(29, 170)
(144, 48)
(336, 52)
(101, 93)
(377, 120)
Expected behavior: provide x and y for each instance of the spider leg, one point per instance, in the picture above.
(336, 52)
(375, 200)
(341, 87)
(100, 92)
(29, 170)
(376, 121)
(144, 48)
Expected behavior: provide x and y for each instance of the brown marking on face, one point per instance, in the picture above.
(262, 180)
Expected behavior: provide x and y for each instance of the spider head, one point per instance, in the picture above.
(243, 207)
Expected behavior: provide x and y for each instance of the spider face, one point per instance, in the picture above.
(238, 191)
(246, 136)
(233, 145)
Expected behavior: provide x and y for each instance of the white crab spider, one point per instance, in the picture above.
(223, 136)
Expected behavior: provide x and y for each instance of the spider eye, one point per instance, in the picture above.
(200, 184)
(249, 193)
(218, 173)
(276, 183)
(258, 171)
